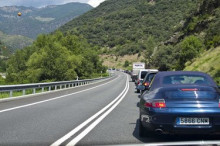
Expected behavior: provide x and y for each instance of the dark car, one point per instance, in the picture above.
(141, 74)
(180, 102)
(146, 81)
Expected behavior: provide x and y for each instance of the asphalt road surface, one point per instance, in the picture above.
(105, 113)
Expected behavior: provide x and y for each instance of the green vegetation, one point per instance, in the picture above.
(165, 34)
(124, 26)
(54, 58)
(13, 42)
(198, 38)
(207, 62)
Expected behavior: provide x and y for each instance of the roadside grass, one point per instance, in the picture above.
(208, 62)
(20, 93)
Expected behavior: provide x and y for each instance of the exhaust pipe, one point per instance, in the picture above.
(159, 131)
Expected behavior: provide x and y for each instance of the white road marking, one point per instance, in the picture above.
(97, 121)
(75, 130)
(43, 101)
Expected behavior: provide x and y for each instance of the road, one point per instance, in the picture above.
(105, 113)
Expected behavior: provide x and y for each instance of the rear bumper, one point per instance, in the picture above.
(171, 129)
(166, 122)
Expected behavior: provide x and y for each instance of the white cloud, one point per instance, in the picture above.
(95, 3)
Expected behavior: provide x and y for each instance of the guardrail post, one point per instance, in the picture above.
(49, 88)
(55, 87)
(65, 86)
(60, 86)
(34, 91)
(42, 89)
(24, 92)
(11, 93)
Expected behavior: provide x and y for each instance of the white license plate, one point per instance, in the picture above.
(192, 121)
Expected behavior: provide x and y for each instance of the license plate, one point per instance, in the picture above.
(192, 121)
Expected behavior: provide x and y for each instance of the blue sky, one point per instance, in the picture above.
(42, 3)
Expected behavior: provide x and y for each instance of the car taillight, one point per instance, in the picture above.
(219, 103)
(156, 104)
(138, 82)
(192, 89)
(146, 84)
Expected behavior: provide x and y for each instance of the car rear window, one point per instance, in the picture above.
(185, 79)
(200, 94)
(150, 77)
(143, 74)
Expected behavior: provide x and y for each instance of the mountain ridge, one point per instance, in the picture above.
(34, 21)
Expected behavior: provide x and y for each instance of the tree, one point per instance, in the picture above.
(150, 45)
(190, 48)
(126, 64)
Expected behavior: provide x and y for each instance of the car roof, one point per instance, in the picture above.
(148, 70)
(158, 80)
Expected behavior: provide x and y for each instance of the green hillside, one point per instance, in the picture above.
(165, 34)
(14, 42)
(209, 62)
(200, 32)
(125, 25)
(196, 39)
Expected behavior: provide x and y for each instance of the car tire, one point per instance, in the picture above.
(138, 91)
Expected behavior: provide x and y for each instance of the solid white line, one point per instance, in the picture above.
(72, 132)
(43, 101)
(96, 122)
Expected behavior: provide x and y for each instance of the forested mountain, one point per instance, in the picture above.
(13, 42)
(124, 26)
(168, 34)
(34, 21)
(195, 46)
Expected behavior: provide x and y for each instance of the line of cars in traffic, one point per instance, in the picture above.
(183, 102)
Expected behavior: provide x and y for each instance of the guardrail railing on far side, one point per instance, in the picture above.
(42, 87)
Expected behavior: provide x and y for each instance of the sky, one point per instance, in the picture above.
(43, 3)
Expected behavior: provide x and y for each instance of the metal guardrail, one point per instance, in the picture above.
(51, 86)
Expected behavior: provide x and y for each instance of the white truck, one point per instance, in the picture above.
(136, 67)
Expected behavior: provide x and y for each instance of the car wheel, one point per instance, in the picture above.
(138, 91)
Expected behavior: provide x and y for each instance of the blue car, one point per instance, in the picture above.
(180, 102)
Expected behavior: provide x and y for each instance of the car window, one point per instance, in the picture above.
(150, 77)
(185, 79)
(179, 94)
(143, 74)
